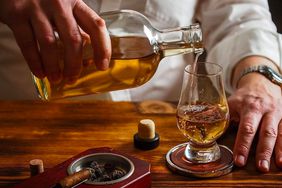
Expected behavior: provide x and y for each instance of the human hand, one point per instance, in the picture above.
(256, 104)
(33, 23)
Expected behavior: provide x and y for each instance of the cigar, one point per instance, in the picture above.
(74, 179)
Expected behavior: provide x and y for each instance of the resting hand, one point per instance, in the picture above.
(257, 105)
(33, 23)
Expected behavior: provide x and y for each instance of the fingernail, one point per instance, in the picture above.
(264, 165)
(240, 160)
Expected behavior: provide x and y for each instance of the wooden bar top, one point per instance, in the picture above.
(56, 131)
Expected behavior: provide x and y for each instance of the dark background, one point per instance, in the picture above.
(276, 11)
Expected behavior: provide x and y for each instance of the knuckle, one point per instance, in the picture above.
(75, 38)
(100, 22)
(248, 128)
(269, 132)
(254, 106)
(243, 149)
(47, 39)
(253, 102)
(266, 154)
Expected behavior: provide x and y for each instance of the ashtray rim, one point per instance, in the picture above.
(127, 175)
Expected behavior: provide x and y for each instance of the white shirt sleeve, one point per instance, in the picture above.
(238, 29)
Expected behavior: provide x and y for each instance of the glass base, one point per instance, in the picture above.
(177, 162)
(202, 155)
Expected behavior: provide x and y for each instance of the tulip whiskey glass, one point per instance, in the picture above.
(202, 116)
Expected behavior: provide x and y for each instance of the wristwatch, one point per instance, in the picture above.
(269, 73)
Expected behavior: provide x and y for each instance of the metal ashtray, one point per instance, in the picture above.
(120, 162)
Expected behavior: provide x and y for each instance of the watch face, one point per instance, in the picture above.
(271, 74)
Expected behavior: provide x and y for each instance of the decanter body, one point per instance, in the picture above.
(137, 49)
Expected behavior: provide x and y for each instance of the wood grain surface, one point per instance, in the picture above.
(56, 131)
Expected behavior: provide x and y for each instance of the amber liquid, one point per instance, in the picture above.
(133, 63)
(202, 123)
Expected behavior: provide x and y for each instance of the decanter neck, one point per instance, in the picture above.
(179, 41)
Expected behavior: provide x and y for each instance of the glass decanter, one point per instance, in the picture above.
(137, 49)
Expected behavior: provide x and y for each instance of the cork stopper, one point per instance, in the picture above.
(36, 167)
(146, 129)
(146, 138)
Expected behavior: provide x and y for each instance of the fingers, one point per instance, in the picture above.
(259, 106)
(278, 146)
(266, 143)
(249, 123)
(70, 35)
(48, 47)
(28, 45)
(266, 117)
(36, 39)
(90, 22)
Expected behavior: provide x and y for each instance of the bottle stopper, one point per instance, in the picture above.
(36, 167)
(146, 138)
